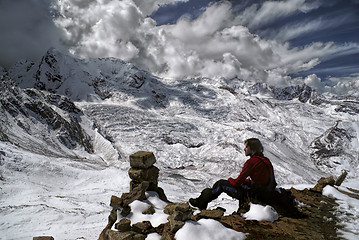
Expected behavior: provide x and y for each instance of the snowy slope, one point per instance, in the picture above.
(203, 122)
(195, 127)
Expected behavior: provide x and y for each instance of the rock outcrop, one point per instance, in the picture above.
(32, 110)
(315, 218)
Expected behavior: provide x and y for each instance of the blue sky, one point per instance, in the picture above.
(275, 42)
(339, 22)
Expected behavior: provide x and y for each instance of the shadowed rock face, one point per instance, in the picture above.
(350, 106)
(332, 143)
(31, 107)
(302, 93)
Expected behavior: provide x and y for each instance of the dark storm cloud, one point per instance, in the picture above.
(27, 30)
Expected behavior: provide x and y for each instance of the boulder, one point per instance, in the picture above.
(142, 227)
(322, 182)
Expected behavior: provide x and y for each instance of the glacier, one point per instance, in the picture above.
(68, 127)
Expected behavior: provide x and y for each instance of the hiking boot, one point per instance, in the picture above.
(202, 201)
(195, 202)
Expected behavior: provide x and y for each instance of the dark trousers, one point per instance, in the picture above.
(242, 193)
(224, 186)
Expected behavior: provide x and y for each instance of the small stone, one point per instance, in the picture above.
(182, 216)
(142, 227)
(142, 159)
(139, 236)
(116, 235)
(116, 202)
(341, 178)
(123, 225)
(175, 225)
(111, 220)
(150, 210)
(112, 217)
(172, 207)
(125, 211)
(138, 193)
(43, 238)
(133, 185)
(167, 236)
(161, 194)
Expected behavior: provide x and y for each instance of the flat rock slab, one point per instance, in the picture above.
(142, 159)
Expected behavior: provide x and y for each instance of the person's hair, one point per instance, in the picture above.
(255, 145)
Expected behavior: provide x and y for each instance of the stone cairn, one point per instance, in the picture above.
(144, 178)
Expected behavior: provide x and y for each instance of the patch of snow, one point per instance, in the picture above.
(203, 229)
(347, 211)
(261, 213)
(137, 207)
(59, 197)
(153, 236)
(195, 127)
(207, 229)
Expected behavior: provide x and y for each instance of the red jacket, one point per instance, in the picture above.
(260, 170)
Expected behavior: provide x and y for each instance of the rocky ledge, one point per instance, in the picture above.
(314, 219)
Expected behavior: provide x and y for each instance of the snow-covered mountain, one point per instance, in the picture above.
(75, 122)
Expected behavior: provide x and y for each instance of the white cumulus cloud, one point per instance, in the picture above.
(257, 15)
(217, 43)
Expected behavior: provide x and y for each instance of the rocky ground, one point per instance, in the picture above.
(312, 218)
(317, 222)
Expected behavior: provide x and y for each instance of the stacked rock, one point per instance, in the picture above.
(144, 178)
(142, 170)
(179, 213)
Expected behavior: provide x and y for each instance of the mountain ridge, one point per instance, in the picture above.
(111, 82)
(195, 127)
